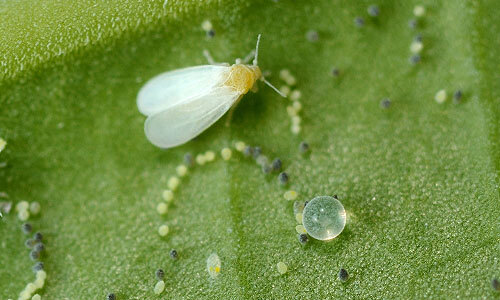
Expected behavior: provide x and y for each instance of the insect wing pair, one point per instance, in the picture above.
(181, 104)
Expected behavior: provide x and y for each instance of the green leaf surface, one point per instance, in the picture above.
(419, 180)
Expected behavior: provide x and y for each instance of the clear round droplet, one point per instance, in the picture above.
(324, 218)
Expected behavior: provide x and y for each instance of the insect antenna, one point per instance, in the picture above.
(255, 61)
(273, 87)
(256, 50)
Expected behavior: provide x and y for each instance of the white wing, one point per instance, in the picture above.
(180, 123)
(173, 87)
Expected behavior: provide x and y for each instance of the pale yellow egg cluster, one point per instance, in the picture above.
(32, 287)
(24, 209)
(294, 95)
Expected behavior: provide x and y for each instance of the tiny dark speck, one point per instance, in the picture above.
(373, 10)
(173, 254)
(495, 284)
(211, 33)
(111, 297)
(415, 59)
(360, 22)
(385, 103)
(457, 96)
(343, 275)
(303, 238)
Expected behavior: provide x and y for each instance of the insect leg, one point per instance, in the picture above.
(231, 111)
(211, 60)
(247, 58)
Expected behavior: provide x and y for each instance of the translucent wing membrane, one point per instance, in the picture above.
(180, 123)
(180, 86)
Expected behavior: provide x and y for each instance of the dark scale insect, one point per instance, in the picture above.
(276, 165)
(211, 33)
(26, 228)
(415, 59)
(29, 243)
(257, 151)
(303, 147)
(160, 274)
(373, 10)
(385, 103)
(283, 178)
(412, 23)
(418, 38)
(188, 159)
(248, 151)
(34, 255)
(38, 266)
(312, 36)
(495, 284)
(457, 96)
(343, 275)
(335, 72)
(303, 238)
(39, 247)
(173, 254)
(38, 236)
(111, 296)
(359, 22)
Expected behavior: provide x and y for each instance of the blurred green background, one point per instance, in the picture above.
(419, 180)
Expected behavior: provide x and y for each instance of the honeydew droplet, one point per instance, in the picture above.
(159, 287)
(282, 267)
(173, 183)
(162, 208)
(226, 153)
(440, 96)
(296, 120)
(167, 195)
(419, 11)
(213, 265)
(285, 90)
(300, 229)
(181, 170)
(290, 195)
(324, 218)
(240, 146)
(163, 230)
